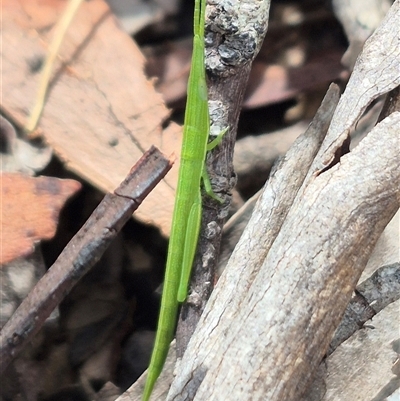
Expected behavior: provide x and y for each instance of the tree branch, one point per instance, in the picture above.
(81, 253)
(235, 31)
(269, 321)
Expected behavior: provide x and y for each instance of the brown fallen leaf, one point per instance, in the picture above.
(270, 84)
(101, 110)
(29, 212)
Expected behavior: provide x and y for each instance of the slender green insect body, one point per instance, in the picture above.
(187, 211)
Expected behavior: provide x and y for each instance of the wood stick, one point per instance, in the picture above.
(81, 253)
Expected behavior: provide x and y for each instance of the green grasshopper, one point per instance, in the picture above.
(188, 203)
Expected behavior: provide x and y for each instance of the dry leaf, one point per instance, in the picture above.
(270, 84)
(101, 112)
(29, 212)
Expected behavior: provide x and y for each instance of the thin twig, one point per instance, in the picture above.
(81, 253)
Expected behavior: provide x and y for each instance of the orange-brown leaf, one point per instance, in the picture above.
(29, 211)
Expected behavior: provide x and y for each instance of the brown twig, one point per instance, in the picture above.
(228, 63)
(82, 252)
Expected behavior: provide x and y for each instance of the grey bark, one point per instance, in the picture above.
(234, 34)
(272, 315)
